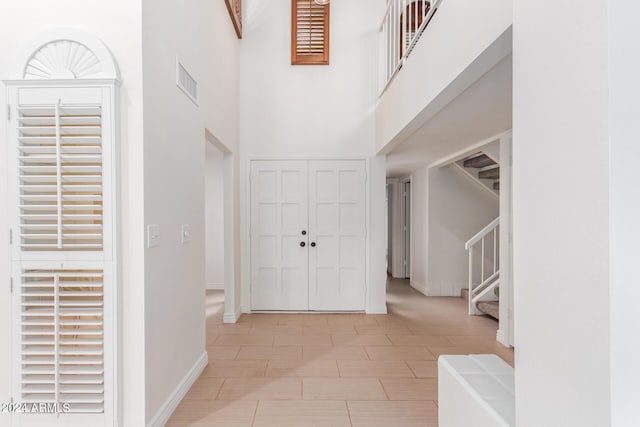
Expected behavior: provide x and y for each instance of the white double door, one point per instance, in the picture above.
(308, 235)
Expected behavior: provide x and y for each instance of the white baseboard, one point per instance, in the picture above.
(382, 309)
(231, 317)
(502, 338)
(215, 286)
(419, 287)
(164, 413)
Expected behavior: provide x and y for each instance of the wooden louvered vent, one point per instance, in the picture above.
(60, 178)
(310, 33)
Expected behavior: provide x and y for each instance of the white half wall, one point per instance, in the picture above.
(561, 214)
(464, 40)
(214, 217)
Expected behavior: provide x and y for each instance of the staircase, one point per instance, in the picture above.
(484, 273)
(490, 307)
(483, 167)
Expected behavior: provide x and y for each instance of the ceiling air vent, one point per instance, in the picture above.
(186, 82)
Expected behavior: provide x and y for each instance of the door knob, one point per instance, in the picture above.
(304, 232)
(303, 244)
(313, 244)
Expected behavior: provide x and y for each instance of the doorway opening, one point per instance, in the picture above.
(214, 229)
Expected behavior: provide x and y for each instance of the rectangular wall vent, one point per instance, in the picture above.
(186, 82)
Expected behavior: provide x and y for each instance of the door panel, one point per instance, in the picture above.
(279, 213)
(337, 227)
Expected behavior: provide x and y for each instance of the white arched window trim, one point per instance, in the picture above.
(64, 66)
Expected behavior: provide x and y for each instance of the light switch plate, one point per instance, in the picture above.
(185, 233)
(153, 235)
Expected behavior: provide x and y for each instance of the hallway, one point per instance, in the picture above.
(333, 369)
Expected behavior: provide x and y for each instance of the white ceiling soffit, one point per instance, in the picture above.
(65, 54)
(483, 110)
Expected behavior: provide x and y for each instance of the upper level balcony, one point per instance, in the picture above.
(429, 53)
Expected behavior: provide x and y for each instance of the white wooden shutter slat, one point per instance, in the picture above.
(58, 174)
(62, 358)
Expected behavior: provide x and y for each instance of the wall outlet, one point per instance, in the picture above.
(185, 233)
(153, 235)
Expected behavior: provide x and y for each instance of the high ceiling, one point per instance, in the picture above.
(480, 112)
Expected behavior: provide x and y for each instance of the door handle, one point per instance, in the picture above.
(303, 244)
(313, 244)
(304, 232)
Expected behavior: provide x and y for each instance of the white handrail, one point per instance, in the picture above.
(487, 282)
(482, 233)
(400, 33)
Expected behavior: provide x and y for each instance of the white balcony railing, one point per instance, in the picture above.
(402, 25)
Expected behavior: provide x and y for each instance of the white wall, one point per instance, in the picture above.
(458, 209)
(214, 217)
(20, 21)
(309, 110)
(201, 35)
(463, 41)
(312, 111)
(448, 208)
(561, 214)
(624, 212)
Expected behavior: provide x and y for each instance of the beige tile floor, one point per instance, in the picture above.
(333, 369)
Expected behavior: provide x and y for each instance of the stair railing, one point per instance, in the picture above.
(488, 278)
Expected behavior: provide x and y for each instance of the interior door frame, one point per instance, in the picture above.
(246, 220)
(405, 226)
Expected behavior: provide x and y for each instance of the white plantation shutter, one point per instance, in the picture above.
(61, 178)
(62, 338)
(310, 33)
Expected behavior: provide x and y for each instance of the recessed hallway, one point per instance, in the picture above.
(333, 369)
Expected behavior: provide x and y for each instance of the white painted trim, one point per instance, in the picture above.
(231, 317)
(404, 271)
(231, 297)
(506, 307)
(215, 286)
(502, 338)
(94, 44)
(164, 413)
